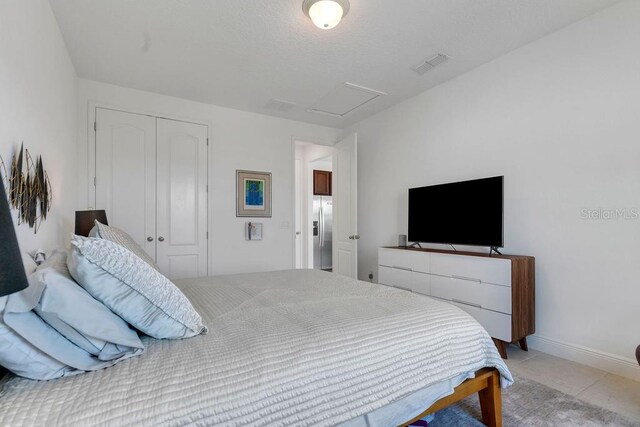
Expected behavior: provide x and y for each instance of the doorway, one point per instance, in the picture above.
(340, 162)
(322, 214)
(313, 204)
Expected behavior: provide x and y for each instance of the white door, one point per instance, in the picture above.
(345, 207)
(181, 199)
(125, 179)
(298, 210)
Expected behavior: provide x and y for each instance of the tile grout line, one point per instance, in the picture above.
(589, 386)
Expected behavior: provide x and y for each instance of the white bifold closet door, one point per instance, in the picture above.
(151, 178)
(181, 185)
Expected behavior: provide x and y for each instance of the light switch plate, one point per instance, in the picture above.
(253, 231)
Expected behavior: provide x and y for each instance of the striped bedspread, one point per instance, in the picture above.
(299, 347)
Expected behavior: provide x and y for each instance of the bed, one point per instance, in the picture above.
(295, 347)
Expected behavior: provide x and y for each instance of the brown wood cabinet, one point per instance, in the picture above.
(321, 183)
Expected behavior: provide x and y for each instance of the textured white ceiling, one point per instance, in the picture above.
(242, 53)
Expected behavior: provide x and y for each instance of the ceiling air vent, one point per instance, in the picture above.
(279, 105)
(430, 63)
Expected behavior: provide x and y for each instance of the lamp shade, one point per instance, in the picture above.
(12, 274)
(85, 220)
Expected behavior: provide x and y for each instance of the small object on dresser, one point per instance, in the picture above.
(402, 240)
(12, 274)
(85, 221)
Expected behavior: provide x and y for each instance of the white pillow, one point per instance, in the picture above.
(123, 239)
(29, 263)
(133, 289)
(32, 348)
(22, 358)
(83, 320)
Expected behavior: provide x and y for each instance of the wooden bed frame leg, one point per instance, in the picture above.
(491, 402)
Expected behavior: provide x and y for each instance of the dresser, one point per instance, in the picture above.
(498, 291)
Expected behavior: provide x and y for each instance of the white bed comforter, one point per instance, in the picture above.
(298, 347)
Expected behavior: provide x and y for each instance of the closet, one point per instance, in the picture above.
(151, 178)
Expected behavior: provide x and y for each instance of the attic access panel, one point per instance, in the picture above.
(345, 99)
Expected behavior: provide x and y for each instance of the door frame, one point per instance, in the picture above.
(92, 105)
(306, 140)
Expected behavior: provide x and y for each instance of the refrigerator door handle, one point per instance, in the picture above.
(321, 231)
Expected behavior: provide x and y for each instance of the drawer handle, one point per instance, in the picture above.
(469, 279)
(466, 303)
(402, 268)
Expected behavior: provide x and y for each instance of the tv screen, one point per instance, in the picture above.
(464, 213)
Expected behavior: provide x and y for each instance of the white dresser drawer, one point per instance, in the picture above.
(498, 325)
(484, 295)
(488, 270)
(421, 283)
(395, 277)
(404, 259)
(405, 279)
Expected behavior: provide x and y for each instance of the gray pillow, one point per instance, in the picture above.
(133, 289)
(123, 239)
(83, 320)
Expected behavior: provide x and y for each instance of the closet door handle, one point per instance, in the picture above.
(161, 239)
(149, 239)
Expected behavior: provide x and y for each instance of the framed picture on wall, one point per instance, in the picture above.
(253, 194)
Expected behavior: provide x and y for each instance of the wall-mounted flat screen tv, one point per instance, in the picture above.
(464, 213)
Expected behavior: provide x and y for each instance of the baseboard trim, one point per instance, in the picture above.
(587, 356)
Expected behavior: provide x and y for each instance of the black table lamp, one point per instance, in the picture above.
(12, 275)
(85, 220)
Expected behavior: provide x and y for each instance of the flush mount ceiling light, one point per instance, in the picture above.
(325, 14)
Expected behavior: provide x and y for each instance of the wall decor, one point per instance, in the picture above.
(29, 188)
(253, 194)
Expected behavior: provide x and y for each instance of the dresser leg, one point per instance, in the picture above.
(501, 346)
(523, 344)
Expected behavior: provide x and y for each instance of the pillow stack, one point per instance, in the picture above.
(55, 328)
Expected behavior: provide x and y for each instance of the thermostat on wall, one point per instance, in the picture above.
(253, 231)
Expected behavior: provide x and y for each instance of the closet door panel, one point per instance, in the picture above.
(126, 174)
(182, 199)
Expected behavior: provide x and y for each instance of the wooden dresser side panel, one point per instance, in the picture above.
(523, 285)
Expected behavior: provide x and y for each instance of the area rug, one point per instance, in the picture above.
(529, 403)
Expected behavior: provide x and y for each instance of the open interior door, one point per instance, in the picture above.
(345, 207)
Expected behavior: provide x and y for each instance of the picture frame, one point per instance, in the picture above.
(253, 194)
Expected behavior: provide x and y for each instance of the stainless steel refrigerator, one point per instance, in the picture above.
(322, 231)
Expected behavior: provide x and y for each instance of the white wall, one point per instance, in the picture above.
(238, 140)
(38, 106)
(560, 119)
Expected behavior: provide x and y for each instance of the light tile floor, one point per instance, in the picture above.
(615, 393)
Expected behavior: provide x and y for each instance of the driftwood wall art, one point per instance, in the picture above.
(28, 188)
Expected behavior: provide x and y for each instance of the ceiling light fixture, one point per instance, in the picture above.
(325, 14)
